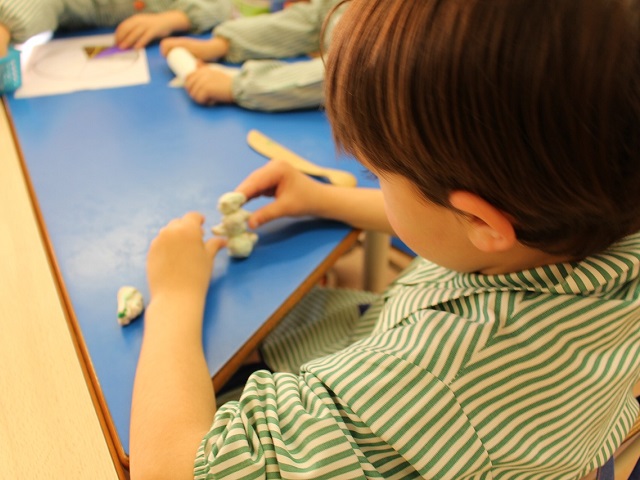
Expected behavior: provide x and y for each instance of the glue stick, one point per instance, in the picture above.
(181, 62)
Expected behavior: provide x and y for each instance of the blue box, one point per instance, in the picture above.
(10, 77)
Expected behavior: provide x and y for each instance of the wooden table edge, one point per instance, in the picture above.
(108, 428)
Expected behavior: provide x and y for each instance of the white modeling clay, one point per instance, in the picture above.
(234, 225)
(181, 62)
(130, 305)
(230, 202)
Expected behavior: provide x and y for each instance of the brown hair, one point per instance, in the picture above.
(533, 105)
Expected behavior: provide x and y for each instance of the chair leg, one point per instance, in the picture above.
(607, 471)
(635, 473)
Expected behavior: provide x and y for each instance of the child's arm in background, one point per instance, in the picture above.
(204, 14)
(173, 399)
(26, 18)
(266, 85)
(296, 194)
(291, 32)
(263, 85)
(208, 86)
(141, 29)
(196, 16)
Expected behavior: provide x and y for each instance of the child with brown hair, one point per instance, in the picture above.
(505, 137)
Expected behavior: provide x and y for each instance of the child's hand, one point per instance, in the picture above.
(139, 30)
(207, 86)
(209, 50)
(295, 193)
(179, 262)
(5, 38)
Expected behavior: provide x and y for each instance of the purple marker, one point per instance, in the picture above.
(109, 51)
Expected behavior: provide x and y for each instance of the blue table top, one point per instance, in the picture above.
(111, 167)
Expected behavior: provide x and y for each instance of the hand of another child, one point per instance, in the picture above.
(139, 30)
(295, 193)
(209, 50)
(207, 86)
(179, 261)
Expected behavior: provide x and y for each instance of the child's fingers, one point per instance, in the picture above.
(120, 33)
(146, 37)
(262, 181)
(124, 33)
(199, 89)
(193, 84)
(213, 245)
(195, 95)
(190, 220)
(195, 218)
(127, 39)
(136, 34)
(266, 214)
(166, 45)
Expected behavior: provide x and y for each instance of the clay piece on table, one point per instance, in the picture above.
(130, 305)
(234, 225)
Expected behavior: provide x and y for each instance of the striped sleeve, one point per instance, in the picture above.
(272, 86)
(288, 426)
(283, 426)
(268, 84)
(412, 412)
(205, 14)
(26, 18)
(291, 32)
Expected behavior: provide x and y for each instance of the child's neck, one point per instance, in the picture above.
(518, 259)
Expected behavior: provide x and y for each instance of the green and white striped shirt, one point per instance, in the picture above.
(266, 83)
(446, 376)
(25, 18)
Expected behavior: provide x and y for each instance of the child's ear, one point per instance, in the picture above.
(490, 230)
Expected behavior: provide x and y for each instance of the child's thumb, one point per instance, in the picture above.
(264, 215)
(213, 245)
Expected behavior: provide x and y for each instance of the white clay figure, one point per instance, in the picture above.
(231, 202)
(130, 305)
(234, 225)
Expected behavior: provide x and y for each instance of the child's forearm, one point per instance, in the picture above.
(177, 20)
(204, 14)
(173, 399)
(288, 33)
(272, 85)
(361, 208)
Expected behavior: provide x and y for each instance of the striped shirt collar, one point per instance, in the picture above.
(596, 275)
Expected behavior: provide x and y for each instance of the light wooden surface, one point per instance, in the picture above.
(49, 427)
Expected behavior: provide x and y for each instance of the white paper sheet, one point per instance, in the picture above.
(63, 66)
